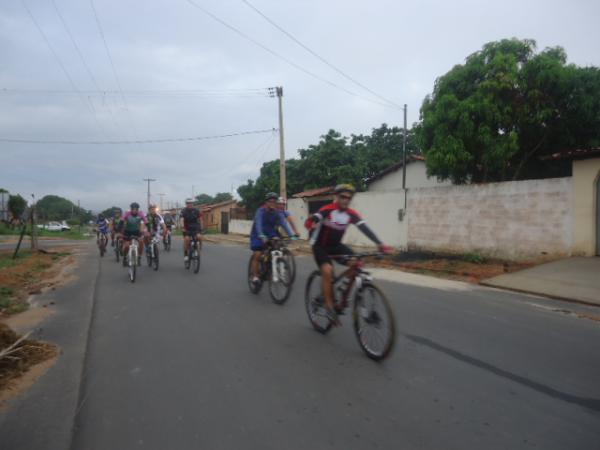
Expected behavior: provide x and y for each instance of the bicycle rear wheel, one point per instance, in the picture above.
(280, 289)
(315, 304)
(373, 319)
(118, 249)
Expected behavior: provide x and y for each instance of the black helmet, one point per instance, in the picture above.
(271, 195)
(135, 205)
(345, 188)
(100, 216)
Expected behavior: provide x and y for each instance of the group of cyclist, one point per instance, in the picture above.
(135, 224)
(326, 229)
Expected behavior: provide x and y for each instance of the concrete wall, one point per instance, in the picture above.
(586, 173)
(240, 227)
(379, 209)
(416, 176)
(514, 220)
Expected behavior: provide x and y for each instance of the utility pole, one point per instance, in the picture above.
(278, 92)
(404, 152)
(161, 200)
(34, 241)
(149, 180)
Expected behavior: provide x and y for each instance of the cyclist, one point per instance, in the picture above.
(169, 222)
(116, 226)
(156, 225)
(327, 228)
(102, 226)
(192, 225)
(288, 215)
(266, 220)
(134, 226)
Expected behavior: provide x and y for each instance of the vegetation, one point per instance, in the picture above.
(205, 199)
(335, 159)
(492, 118)
(53, 207)
(16, 205)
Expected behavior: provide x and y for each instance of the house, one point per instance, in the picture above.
(390, 179)
(216, 217)
(585, 197)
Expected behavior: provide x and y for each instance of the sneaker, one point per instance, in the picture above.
(186, 258)
(333, 317)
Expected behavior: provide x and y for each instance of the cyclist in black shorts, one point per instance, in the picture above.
(327, 228)
(192, 225)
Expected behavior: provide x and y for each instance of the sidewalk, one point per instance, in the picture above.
(573, 279)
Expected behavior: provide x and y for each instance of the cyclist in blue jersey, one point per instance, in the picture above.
(102, 227)
(266, 221)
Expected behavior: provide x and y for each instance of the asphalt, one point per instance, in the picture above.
(184, 361)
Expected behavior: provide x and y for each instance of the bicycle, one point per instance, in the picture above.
(371, 312)
(152, 252)
(167, 240)
(275, 269)
(194, 253)
(102, 243)
(118, 248)
(291, 261)
(132, 258)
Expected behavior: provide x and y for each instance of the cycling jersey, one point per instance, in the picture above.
(155, 223)
(102, 225)
(118, 224)
(265, 224)
(133, 222)
(191, 218)
(328, 225)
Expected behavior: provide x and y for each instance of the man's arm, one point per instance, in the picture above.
(284, 223)
(258, 220)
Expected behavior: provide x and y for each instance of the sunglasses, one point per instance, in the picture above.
(346, 197)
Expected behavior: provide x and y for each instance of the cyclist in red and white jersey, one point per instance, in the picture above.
(327, 228)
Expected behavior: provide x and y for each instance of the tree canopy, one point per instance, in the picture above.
(334, 159)
(206, 199)
(53, 207)
(17, 205)
(493, 117)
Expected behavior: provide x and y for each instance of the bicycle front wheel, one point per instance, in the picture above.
(280, 282)
(373, 319)
(155, 258)
(315, 304)
(132, 266)
(289, 257)
(196, 260)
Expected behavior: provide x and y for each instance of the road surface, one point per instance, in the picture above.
(183, 361)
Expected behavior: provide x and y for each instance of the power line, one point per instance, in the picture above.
(114, 70)
(137, 141)
(263, 92)
(283, 58)
(319, 57)
(81, 57)
(62, 66)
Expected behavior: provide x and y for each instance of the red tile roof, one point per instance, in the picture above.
(315, 192)
(583, 153)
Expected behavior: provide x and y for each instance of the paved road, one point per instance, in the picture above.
(178, 361)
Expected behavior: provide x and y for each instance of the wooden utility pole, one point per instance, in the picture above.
(32, 217)
(282, 174)
(404, 151)
(149, 180)
(161, 200)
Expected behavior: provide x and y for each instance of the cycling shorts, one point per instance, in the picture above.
(323, 254)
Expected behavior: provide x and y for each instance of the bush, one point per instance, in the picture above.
(474, 258)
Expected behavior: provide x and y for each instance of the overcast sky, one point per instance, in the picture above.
(396, 49)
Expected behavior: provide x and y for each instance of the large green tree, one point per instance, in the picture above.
(53, 207)
(492, 118)
(222, 197)
(16, 205)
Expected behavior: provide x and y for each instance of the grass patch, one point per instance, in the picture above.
(474, 258)
(7, 261)
(75, 233)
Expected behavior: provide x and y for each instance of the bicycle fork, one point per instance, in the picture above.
(275, 255)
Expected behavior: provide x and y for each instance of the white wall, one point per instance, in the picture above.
(514, 220)
(379, 209)
(240, 227)
(416, 176)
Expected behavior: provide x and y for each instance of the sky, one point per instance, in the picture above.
(169, 71)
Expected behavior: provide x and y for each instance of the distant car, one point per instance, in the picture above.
(55, 226)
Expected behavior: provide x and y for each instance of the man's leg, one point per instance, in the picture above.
(186, 245)
(256, 263)
(327, 284)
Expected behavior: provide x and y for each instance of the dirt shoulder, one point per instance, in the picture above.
(470, 268)
(22, 359)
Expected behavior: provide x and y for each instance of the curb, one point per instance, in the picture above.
(540, 294)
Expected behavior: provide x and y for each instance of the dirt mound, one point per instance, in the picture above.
(25, 355)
